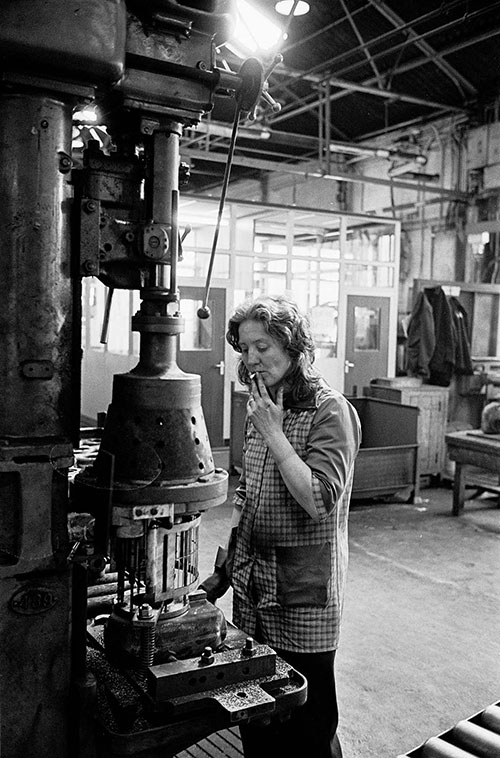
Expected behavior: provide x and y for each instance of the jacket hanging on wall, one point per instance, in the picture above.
(463, 361)
(438, 342)
(421, 338)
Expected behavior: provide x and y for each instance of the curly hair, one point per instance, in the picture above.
(282, 320)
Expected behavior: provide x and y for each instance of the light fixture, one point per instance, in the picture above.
(254, 31)
(85, 115)
(285, 6)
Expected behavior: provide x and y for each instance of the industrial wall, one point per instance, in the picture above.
(439, 201)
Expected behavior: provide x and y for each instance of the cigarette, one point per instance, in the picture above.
(252, 376)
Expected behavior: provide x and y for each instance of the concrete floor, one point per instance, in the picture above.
(420, 637)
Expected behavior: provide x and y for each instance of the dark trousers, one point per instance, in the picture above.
(310, 732)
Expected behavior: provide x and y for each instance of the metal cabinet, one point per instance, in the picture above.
(432, 402)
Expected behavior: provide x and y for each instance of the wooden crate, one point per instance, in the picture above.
(432, 402)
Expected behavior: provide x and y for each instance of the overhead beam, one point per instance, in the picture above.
(314, 73)
(392, 95)
(430, 33)
(341, 176)
(456, 77)
(361, 43)
(366, 89)
(284, 114)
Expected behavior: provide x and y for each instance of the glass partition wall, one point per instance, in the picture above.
(318, 258)
(342, 270)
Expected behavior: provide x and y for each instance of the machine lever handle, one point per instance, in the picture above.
(204, 310)
(105, 321)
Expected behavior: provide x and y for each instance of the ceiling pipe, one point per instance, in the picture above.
(218, 129)
(377, 152)
(342, 176)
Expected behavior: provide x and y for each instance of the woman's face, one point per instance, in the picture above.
(262, 353)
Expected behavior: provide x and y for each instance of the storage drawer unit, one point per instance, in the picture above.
(432, 402)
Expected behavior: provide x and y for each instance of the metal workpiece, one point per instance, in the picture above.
(155, 442)
(155, 434)
(210, 671)
(176, 630)
(134, 721)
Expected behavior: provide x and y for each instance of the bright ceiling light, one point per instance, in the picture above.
(86, 115)
(253, 31)
(285, 6)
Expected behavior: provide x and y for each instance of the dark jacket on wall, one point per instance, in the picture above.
(438, 342)
(421, 338)
(442, 363)
(463, 362)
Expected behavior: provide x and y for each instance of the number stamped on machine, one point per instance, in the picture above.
(29, 601)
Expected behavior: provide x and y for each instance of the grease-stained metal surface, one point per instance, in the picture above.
(133, 724)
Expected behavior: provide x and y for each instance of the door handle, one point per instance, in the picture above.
(221, 366)
(347, 366)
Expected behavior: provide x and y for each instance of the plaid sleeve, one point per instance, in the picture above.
(332, 447)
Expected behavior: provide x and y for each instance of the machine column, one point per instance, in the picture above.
(39, 415)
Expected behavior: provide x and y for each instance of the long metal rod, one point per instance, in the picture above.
(227, 172)
(107, 312)
(174, 244)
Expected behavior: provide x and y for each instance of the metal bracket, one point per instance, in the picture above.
(180, 679)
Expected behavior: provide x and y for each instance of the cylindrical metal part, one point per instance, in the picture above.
(435, 747)
(490, 718)
(156, 430)
(157, 354)
(476, 738)
(39, 370)
(165, 171)
(174, 247)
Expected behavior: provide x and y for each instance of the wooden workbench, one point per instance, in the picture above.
(471, 448)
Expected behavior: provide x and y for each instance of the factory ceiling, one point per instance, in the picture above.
(354, 70)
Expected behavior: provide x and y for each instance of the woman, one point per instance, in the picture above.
(291, 509)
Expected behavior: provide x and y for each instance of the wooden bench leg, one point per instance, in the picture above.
(458, 489)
